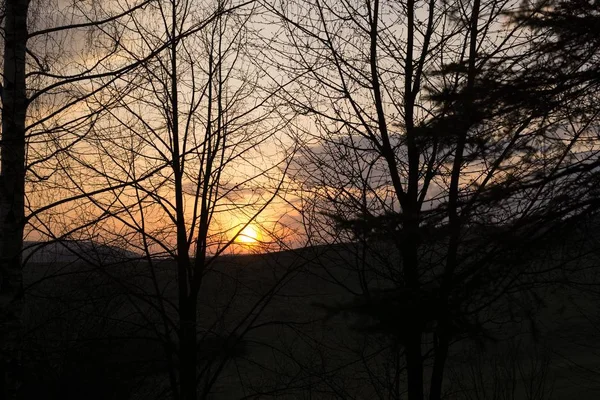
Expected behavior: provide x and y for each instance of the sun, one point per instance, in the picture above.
(248, 235)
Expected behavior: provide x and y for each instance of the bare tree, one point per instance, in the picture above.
(48, 71)
(426, 144)
(189, 141)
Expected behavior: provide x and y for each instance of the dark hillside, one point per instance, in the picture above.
(96, 332)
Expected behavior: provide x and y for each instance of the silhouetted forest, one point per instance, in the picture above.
(300, 199)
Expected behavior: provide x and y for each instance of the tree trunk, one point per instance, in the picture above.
(409, 243)
(414, 364)
(439, 363)
(187, 350)
(12, 192)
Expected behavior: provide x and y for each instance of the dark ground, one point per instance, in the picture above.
(94, 333)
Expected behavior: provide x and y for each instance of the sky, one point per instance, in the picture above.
(123, 133)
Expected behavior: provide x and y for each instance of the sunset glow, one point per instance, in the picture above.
(248, 235)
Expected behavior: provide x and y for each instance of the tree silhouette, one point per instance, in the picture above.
(176, 154)
(436, 148)
(43, 87)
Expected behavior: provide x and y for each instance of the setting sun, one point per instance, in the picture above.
(248, 235)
